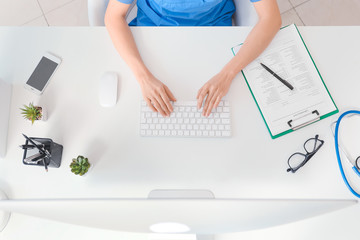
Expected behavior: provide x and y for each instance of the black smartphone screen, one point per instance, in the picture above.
(42, 73)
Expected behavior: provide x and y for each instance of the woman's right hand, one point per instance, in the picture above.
(157, 95)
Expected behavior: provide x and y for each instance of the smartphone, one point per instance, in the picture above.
(43, 72)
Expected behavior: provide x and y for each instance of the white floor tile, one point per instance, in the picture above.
(330, 12)
(48, 5)
(16, 12)
(37, 22)
(71, 14)
(295, 3)
(290, 17)
(284, 5)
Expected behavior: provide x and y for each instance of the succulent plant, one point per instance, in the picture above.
(80, 165)
(31, 112)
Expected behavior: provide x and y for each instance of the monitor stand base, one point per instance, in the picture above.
(183, 194)
(205, 237)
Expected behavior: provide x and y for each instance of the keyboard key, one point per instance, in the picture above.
(225, 115)
(144, 126)
(226, 133)
(225, 121)
(226, 109)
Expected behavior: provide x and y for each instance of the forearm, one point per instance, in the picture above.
(124, 43)
(255, 43)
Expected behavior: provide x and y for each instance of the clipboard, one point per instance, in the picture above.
(284, 110)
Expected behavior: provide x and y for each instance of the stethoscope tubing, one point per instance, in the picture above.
(338, 152)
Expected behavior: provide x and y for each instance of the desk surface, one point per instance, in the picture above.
(248, 165)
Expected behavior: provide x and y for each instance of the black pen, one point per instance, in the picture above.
(277, 76)
(43, 151)
(27, 146)
(45, 164)
(34, 159)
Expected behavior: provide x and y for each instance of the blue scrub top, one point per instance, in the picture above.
(183, 12)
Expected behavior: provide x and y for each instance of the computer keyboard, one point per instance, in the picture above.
(186, 121)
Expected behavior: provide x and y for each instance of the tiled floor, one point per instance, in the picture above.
(74, 12)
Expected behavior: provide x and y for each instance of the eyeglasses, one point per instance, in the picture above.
(298, 160)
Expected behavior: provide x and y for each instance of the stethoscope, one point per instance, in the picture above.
(355, 163)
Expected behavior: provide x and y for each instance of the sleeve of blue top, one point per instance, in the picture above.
(255, 0)
(126, 1)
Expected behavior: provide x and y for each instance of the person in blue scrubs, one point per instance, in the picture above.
(188, 13)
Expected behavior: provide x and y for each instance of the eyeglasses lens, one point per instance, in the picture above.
(296, 160)
(311, 145)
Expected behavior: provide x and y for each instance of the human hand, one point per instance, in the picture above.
(213, 90)
(157, 95)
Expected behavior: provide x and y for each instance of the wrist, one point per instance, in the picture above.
(143, 75)
(228, 73)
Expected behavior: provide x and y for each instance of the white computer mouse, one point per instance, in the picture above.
(108, 87)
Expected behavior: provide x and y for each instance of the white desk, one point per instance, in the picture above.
(248, 165)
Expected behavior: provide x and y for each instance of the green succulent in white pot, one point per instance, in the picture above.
(80, 165)
(33, 113)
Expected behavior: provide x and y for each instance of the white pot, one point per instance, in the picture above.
(44, 114)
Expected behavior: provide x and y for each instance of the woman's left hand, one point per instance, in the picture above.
(214, 89)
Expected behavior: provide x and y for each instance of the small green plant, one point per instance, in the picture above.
(80, 165)
(31, 112)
